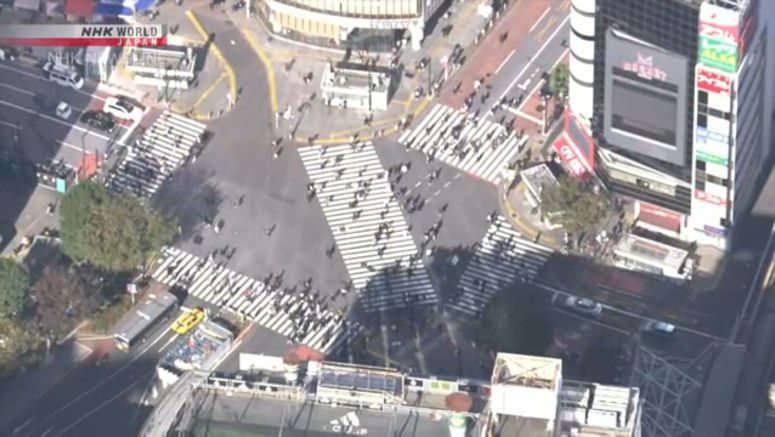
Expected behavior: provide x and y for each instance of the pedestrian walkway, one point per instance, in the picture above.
(163, 148)
(501, 258)
(302, 318)
(469, 142)
(368, 226)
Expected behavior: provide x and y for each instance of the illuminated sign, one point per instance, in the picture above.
(713, 82)
(644, 67)
(714, 159)
(709, 198)
(718, 54)
(659, 212)
(570, 158)
(719, 23)
(713, 231)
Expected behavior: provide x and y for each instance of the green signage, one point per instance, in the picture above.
(718, 54)
(713, 159)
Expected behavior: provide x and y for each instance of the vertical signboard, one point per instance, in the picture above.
(711, 147)
(714, 82)
(719, 36)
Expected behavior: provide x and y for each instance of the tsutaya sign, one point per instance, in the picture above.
(644, 67)
(713, 81)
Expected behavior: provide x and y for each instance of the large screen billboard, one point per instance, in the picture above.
(645, 98)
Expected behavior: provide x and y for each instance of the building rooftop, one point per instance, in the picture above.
(652, 250)
(527, 371)
(599, 410)
(537, 177)
(351, 75)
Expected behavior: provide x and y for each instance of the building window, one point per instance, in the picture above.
(700, 165)
(700, 184)
(702, 120)
(702, 97)
(718, 181)
(725, 223)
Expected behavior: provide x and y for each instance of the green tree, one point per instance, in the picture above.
(558, 81)
(115, 233)
(62, 298)
(574, 205)
(14, 284)
(516, 321)
(17, 341)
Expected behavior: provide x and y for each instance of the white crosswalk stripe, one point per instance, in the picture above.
(286, 313)
(357, 201)
(501, 258)
(163, 148)
(482, 148)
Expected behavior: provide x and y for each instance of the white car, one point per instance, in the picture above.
(657, 327)
(584, 305)
(122, 108)
(63, 111)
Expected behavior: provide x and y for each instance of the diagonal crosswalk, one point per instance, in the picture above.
(368, 226)
(482, 148)
(297, 316)
(501, 258)
(163, 148)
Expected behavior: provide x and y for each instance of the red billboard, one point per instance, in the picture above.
(713, 81)
(570, 158)
(719, 23)
(657, 216)
(580, 139)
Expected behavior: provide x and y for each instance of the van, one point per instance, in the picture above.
(64, 77)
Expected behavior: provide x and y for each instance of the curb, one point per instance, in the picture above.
(516, 219)
(270, 75)
(216, 51)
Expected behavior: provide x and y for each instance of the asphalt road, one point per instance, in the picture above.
(27, 100)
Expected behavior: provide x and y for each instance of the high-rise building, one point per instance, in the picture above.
(671, 92)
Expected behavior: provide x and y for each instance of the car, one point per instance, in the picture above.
(9, 53)
(188, 321)
(122, 108)
(657, 327)
(584, 305)
(99, 120)
(63, 111)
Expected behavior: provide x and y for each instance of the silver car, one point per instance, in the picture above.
(584, 306)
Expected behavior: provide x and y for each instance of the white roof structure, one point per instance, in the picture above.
(599, 410)
(526, 386)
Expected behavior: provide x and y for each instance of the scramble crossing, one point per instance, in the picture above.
(368, 226)
(477, 146)
(163, 148)
(502, 257)
(296, 314)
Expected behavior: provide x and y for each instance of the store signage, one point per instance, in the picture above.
(709, 198)
(714, 159)
(719, 54)
(712, 81)
(713, 231)
(716, 137)
(570, 158)
(644, 67)
(719, 23)
(659, 212)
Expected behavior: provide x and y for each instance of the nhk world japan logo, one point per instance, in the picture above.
(70, 35)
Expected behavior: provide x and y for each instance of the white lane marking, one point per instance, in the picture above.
(50, 118)
(532, 28)
(43, 79)
(518, 111)
(33, 94)
(169, 342)
(9, 124)
(534, 57)
(22, 426)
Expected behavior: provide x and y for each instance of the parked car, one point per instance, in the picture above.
(99, 120)
(584, 306)
(657, 327)
(122, 108)
(63, 111)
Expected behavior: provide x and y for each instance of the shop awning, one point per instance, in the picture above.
(79, 8)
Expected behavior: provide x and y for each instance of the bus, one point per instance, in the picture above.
(136, 323)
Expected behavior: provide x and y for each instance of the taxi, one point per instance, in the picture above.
(187, 321)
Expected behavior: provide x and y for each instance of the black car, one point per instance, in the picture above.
(99, 120)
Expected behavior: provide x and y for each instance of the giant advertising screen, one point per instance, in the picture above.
(645, 98)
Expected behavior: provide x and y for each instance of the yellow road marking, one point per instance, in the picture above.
(209, 90)
(270, 75)
(549, 25)
(216, 51)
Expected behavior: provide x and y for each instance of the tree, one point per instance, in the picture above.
(558, 81)
(16, 340)
(113, 232)
(573, 205)
(14, 285)
(62, 298)
(516, 322)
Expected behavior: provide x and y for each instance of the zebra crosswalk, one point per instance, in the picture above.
(480, 147)
(501, 258)
(300, 318)
(162, 149)
(368, 226)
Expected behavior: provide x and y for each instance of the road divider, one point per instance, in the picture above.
(270, 76)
